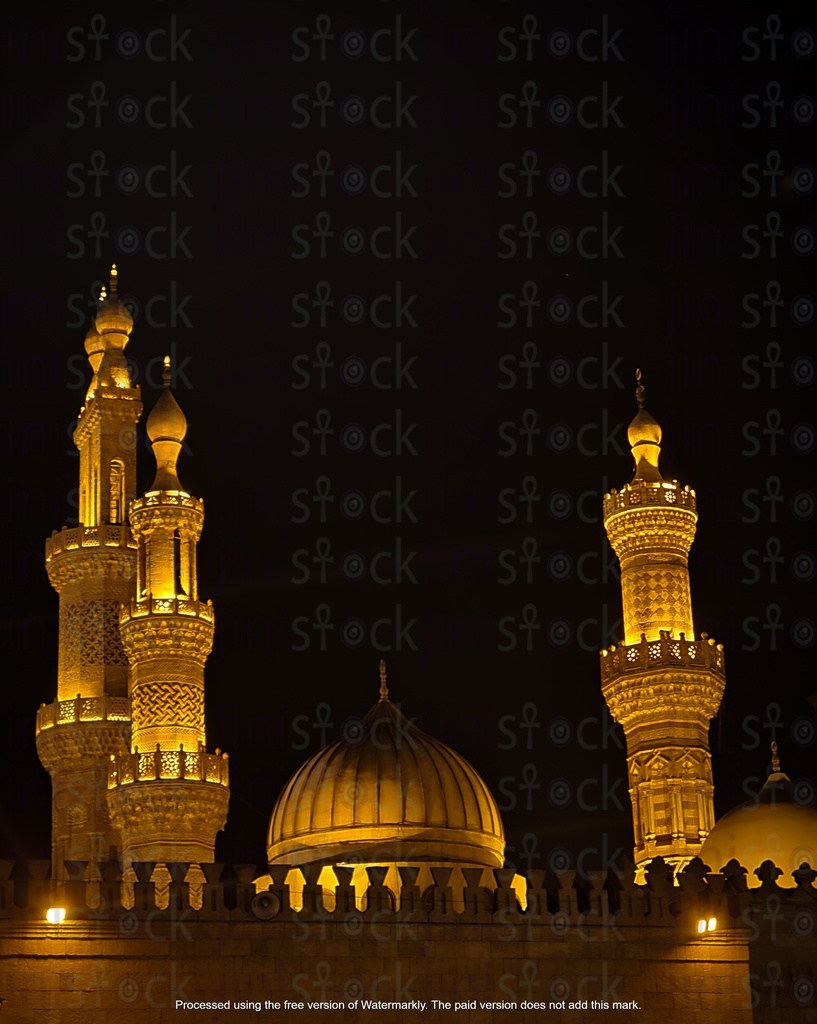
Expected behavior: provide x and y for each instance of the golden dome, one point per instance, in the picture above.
(113, 318)
(94, 346)
(166, 421)
(644, 435)
(396, 795)
(771, 826)
(166, 427)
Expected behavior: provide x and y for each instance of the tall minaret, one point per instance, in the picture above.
(168, 796)
(661, 685)
(93, 568)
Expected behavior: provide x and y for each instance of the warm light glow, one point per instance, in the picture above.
(711, 924)
(707, 925)
(55, 915)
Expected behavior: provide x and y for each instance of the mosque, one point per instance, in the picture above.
(386, 896)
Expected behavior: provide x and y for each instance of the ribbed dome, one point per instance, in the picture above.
(396, 795)
(769, 827)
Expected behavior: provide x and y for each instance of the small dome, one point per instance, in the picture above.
(769, 827)
(395, 794)
(94, 346)
(644, 435)
(166, 421)
(112, 317)
(644, 429)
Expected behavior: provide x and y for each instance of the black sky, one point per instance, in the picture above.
(693, 260)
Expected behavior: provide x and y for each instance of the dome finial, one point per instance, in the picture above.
(775, 758)
(384, 690)
(639, 389)
(166, 372)
(114, 279)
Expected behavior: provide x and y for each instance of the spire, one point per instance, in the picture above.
(384, 690)
(775, 759)
(644, 435)
(166, 428)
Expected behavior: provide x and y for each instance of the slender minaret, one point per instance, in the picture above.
(168, 797)
(661, 685)
(92, 566)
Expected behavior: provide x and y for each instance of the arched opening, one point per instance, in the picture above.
(117, 492)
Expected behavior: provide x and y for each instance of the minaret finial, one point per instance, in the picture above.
(166, 372)
(775, 759)
(114, 276)
(639, 389)
(384, 690)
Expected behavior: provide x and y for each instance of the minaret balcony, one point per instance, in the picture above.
(167, 606)
(164, 765)
(73, 538)
(644, 494)
(666, 652)
(83, 709)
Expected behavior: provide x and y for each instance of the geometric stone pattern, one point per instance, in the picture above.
(89, 632)
(657, 599)
(169, 703)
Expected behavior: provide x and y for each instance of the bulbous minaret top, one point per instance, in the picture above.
(107, 337)
(661, 684)
(166, 428)
(644, 435)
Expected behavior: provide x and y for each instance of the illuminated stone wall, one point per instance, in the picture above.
(593, 939)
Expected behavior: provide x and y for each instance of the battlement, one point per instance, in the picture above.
(83, 709)
(168, 764)
(667, 652)
(641, 494)
(212, 892)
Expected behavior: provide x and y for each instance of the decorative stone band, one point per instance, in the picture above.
(83, 709)
(196, 766)
(158, 499)
(167, 606)
(664, 653)
(640, 494)
(69, 538)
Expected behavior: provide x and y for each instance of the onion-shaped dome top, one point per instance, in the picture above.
(166, 427)
(644, 435)
(113, 317)
(388, 792)
(166, 421)
(771, 826)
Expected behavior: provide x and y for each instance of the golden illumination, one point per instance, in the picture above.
(771, 826)
(392, 794)
(168, 796)
(55, 915)
(661, 684)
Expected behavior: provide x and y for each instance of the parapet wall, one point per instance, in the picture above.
(583, 940)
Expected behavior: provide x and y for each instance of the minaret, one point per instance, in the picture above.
(92, 566)
(168, 796)
(661, 685)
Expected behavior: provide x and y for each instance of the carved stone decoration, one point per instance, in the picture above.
(661, 684)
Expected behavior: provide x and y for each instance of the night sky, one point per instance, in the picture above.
(406, 262)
